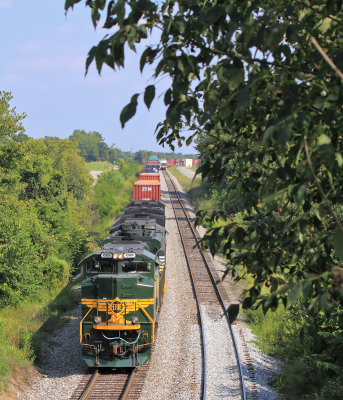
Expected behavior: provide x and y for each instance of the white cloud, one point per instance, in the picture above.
(5, 3)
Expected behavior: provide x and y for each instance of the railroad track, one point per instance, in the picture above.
(203, 281)
(109, 384)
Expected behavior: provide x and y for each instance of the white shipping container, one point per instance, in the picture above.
(188, 162)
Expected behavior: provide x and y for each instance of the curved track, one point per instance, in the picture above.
(203, 281)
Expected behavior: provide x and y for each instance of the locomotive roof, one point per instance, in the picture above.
(124, 246)
(137, 223)
(159, 218)
(146, 203)
(137, 247)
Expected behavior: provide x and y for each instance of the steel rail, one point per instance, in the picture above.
(88, 389)
(203, 348)
(220, 299)
(125, 395)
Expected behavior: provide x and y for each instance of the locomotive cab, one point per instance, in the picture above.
(121, 295)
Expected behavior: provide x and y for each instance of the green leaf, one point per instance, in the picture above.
(300, 194)
(213, 14)
(282, 135)
(339, 159)
(236, 79)
(149, 95)
(323, 139)
(233, 311)
(120, 11)
(268, 132)
(337, 241)
(90, 58)
(243, 100)
(129, 110)
(294, 293)
(325, 25)
(148, 56)
(70, 3)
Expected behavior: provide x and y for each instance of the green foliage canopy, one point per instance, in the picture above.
(44, 197)
(92, 146)
(260, 84)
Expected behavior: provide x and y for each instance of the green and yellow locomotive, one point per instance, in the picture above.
(122, 293)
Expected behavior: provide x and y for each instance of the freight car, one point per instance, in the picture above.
(123, 289)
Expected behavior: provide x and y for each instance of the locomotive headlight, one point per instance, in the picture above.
(97, 319)
(118, 256)
(134, 320)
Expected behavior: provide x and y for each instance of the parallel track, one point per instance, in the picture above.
(203, 281)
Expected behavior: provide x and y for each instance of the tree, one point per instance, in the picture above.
(10, 121)
(261, 83)
(141, 156)
(91, 145)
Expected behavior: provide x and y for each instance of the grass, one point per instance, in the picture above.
(99, 166)
(24, 328)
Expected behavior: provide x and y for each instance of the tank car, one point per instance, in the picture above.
(123, 290)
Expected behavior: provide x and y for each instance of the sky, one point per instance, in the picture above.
(42, 63)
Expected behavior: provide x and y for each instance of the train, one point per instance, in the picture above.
(123, 288)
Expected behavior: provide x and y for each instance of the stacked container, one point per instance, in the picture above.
(151, 169)
(149, 177)
(147, 190)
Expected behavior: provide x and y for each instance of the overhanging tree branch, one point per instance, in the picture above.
(326, 57)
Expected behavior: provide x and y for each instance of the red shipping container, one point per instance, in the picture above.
(150, 190)
(151, 162)
(149, 177)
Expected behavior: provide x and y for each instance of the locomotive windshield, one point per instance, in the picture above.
(104, 266)
(115, 267)
(136, 266)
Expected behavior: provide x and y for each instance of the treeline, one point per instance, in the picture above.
(49, 212)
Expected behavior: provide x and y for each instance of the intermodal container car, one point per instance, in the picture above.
(150, 190)
(149, 177)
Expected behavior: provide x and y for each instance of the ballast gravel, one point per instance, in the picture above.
(175, 367)
(62, 366)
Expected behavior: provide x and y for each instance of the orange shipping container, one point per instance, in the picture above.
(150, 190)
(149, 177)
